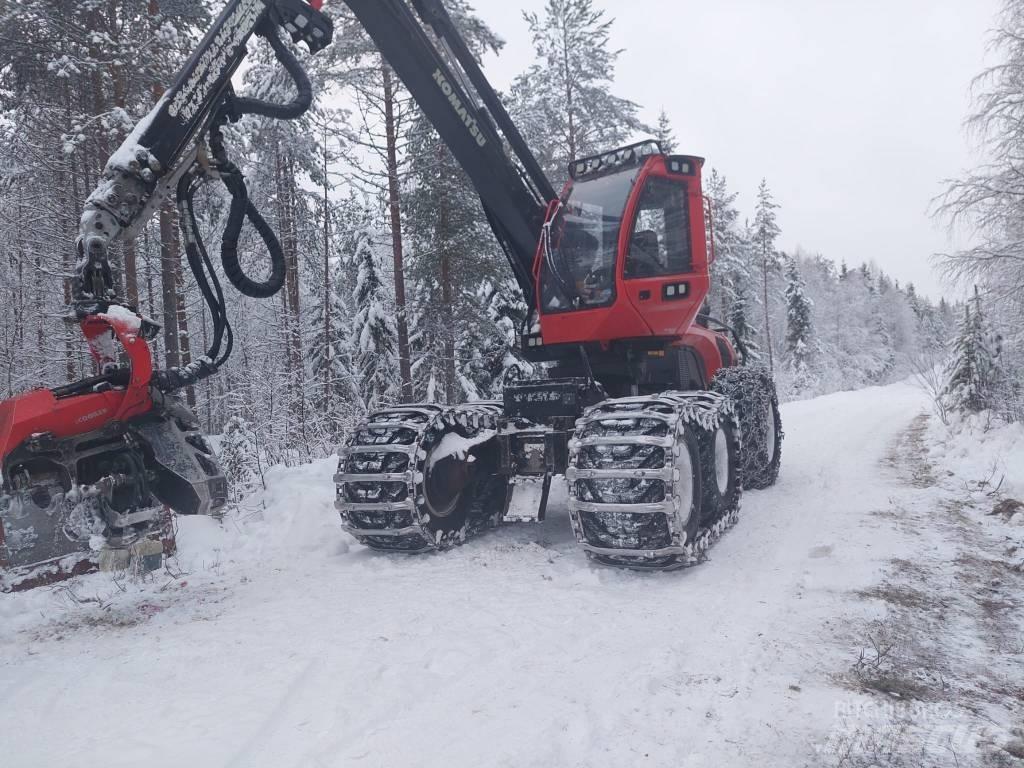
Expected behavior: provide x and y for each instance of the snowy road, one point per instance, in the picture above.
(281, 645)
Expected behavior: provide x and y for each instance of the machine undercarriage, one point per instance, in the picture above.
(653, 481)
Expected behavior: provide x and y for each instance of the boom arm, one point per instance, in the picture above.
(515, 201)
(166, 143)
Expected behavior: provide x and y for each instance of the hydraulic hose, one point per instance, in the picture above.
(736, 337)
(242, 208)
(295, 108)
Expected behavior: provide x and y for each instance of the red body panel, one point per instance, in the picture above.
(705, 343)
(42, 411)
(640, 308)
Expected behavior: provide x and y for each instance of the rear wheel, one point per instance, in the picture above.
(752, 389)
(458, 481)
(773, 446)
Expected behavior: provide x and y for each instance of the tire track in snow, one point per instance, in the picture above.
(513, 652)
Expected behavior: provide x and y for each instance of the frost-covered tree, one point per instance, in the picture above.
(988, 201)
(373, 329)
(733, 285)
(664, 134)
(564, 102)
(972, 369)
(239, 458)
(799, 328)
(334, 397)
(766, 233)
(455, 262)
(799, 323)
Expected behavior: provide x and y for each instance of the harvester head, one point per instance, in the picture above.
(91, 471)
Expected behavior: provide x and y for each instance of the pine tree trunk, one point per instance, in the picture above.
(131, 271)
(328, 351)
(448, 329)
(169, 260)
(569, 106)
(184, 343)
(404, 356)
(767, 317)
(150, 294)
(287, 196)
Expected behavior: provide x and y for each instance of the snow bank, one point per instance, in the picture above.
(293, 516)
(980, 449)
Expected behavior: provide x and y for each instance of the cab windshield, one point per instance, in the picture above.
(578, 270)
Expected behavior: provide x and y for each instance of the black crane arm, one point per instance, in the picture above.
(446, 88)
(168, 142)
(180, 144)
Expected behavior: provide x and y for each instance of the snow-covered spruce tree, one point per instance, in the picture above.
(564, 103)
(799, 327)
(766, 233)
(972, 370)
(381, 115)
(733, 288)
(238, 457)
(664, 134)
(453, 256)
(333, 398)
(373, 330)
(989, 201)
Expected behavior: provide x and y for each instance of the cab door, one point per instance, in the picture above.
(664, 268)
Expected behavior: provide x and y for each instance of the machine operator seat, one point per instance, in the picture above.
(643, 258)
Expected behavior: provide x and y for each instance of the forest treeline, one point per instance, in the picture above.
(396, 288)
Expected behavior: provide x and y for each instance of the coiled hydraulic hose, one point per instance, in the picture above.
(242, 208)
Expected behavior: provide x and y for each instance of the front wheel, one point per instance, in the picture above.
(719, 458)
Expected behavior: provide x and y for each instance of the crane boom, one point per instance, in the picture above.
(514, 200)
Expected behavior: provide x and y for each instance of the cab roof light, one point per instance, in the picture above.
(634, 154)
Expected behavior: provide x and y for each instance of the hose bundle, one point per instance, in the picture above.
(242, 208)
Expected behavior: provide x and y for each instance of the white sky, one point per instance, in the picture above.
(853, 109)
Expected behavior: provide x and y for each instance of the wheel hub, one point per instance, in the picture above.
(444, 483)
(769, 440)
(684, 483)
(722, 461)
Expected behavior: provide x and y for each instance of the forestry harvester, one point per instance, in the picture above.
(647, 411)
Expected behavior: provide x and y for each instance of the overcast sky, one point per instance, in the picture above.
(852, 109)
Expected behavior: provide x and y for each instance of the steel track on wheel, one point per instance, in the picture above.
(630, 497)
(383, 468)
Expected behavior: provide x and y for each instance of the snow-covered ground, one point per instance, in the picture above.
(864, 602)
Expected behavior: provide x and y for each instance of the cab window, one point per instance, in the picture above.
(578, 270)
(660, 242)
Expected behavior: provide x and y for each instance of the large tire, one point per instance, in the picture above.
(720, 465)
(637, 453)
(418, 478)
(688, 458)
(752, 389)
(459, 488)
